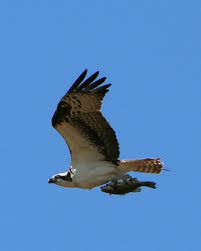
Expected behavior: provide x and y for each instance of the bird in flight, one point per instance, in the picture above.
(93, 143)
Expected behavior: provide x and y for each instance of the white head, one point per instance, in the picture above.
(62, 179)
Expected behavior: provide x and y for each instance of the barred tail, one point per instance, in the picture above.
(143, 165)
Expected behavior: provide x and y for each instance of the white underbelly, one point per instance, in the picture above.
(92, 177)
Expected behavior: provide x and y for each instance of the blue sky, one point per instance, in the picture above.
(151, 53)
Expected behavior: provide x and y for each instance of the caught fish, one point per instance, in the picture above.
(121, 187)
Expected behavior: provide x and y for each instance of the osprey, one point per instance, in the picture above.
(93, 144)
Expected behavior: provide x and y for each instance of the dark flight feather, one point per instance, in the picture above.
(78, 81)
(88, 81)
(96, 84)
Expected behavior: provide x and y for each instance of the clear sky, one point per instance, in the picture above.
(151, 53)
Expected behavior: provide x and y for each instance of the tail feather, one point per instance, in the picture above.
(143, 165)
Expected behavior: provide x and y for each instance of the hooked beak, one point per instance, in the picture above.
(51, 181)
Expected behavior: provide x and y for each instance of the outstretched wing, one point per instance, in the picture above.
(79, 120)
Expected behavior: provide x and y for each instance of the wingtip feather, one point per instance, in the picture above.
(88, 81)
(104, 88)
(89, 85)
(78, 80)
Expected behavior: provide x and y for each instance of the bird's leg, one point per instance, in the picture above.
(127, 179)
(122, 180)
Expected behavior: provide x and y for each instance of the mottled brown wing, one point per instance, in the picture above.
(79, 120)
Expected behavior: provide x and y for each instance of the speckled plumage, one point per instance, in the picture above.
(80, 108)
